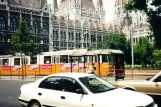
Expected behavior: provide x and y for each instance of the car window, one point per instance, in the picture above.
(96, 84)
(54, 83)
(70, 85)
(158, 79)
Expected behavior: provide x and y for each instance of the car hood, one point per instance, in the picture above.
(132, 82)
(122, 98)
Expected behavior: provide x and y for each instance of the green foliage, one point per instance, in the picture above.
(143, 52)
(22, 40)
(154, 17)
(156, 60)
(114, 41)
(118, 41)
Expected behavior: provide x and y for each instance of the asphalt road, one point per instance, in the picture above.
(9, 93)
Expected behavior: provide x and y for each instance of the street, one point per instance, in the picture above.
(9, 93)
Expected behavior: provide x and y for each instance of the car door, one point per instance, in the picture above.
(156, 87)
(49, 91)
(70, 97)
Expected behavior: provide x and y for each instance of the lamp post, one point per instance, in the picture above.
(132, 46)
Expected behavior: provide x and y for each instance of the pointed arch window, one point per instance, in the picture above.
(69, 35)
(35, 27)
(64, 35)
(79, 37)
(14, 24)
(2, 23)
(57, 34)
(45, 28)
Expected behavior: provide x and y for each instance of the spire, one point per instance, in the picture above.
(43, 2)
(55, 5)
(99, 4)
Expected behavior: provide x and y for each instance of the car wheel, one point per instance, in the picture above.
(34, 104)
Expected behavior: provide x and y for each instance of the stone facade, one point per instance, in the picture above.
(75, 24)
(136, 20)
(36, 12)
(78, 24)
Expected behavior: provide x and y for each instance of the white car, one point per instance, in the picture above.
(79, 90)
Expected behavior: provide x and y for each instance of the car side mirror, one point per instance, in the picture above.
(80, 91)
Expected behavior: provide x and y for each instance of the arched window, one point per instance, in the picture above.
(14, 24)
(35, 27)
(45, 28)
(56, 34)
(61, 33)
(2, 23)
(76, 37)
(64, 35)
(72, 36)
(79, 37)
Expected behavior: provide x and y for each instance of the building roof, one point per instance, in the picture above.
(35, 4)
(120, 2)
(99, 3)
(88, 4)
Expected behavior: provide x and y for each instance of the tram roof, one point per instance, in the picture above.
(63, 52)
(96, 52)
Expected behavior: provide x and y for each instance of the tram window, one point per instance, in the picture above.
(90, 58)
(104, 58)
(26, 61)
(5, 61)
(95, 58)
(64, 59)
(57, 59)
(75, 59)
(16, 61)
(47, 59)
(111, 58)
(33, 60)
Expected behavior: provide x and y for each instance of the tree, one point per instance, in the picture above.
(143, 52)
(118, 41)
(153, 13)
(156, 60)
(22, 41)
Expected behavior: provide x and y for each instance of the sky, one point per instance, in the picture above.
(108, 7)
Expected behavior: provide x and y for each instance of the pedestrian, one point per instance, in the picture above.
(91, 69)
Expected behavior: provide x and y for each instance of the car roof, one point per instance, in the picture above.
(72, 75)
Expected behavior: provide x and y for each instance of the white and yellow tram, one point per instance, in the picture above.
(63, 61)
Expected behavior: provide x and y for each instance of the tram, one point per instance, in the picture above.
(63, 61)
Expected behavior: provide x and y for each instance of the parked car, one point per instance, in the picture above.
(150, 86)
(79, 90)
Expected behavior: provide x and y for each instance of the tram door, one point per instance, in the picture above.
(119, 66)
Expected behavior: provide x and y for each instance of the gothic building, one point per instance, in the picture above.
(74, 24)
(136, 20)
(36, 12)
(78, 24)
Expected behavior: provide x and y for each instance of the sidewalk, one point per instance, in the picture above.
(137, 74)
(26, 78)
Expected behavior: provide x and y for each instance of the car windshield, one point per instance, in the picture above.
(96, 84)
